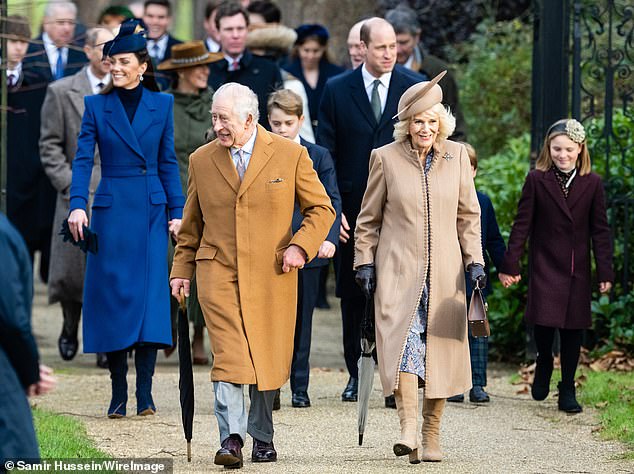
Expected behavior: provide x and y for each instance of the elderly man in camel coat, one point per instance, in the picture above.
(236, 235)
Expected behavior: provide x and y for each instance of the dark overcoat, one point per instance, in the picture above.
(61, 121)
(560, 232)
(348, 129)
(257, 73)
(19, 365)
(126, 291)
(37, 60)
(30, 196)
(164, 78)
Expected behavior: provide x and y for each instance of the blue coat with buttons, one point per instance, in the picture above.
(126, 290)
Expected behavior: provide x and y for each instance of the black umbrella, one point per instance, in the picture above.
(186, 374)
(366, 364)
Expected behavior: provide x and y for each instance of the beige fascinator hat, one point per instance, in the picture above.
(419, 98)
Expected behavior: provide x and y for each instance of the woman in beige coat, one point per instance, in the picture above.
(419, 228)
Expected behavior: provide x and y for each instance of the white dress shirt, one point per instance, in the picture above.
(231, 60)
(52, 52)
(247, 150)
(162, 47)
(95, 81)
(368, 83)
(212, 46)
(15, 73)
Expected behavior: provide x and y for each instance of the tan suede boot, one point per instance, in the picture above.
(406, 396)
(432, 413)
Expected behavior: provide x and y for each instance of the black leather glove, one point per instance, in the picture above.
(366, 279)
(477, 275)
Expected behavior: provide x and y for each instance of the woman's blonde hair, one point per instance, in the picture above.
(447, 124)
(545, 161)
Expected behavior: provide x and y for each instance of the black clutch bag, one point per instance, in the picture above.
(477, 317)
(90, 242)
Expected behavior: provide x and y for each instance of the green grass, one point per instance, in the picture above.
(64, 437)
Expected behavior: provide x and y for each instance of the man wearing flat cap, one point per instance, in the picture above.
(237, 236)
(356, 115)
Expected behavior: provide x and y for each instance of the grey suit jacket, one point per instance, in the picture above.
(61, 122)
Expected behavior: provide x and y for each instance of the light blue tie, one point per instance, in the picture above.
(59, 66)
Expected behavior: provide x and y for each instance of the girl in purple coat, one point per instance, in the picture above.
(561, 213)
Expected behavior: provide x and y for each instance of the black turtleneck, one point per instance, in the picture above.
(130, 99)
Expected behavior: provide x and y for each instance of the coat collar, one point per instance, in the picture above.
(79, 88)
(552, 186)
(577, 190)
(118, 120)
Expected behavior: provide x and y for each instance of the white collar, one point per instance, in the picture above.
(297, 139)
(368, 78)
(94, 80)
(410, 61)
(231, 60)
(16, 72)
(248, 146)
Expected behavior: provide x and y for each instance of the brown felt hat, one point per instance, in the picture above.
(419, 98)
(188, 54)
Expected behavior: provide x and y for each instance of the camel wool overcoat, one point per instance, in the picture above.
(411, 223)
(233, 235)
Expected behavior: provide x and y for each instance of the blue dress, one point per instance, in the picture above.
(126, 289)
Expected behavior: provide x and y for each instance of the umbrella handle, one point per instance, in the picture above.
(181, 300)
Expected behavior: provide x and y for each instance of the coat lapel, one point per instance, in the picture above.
(357, 92)
(552, 186)
(577, 189)
(393, 96)
(262, 153)
(143, 118)
(118, 120)
(221, 157)
(79, 89)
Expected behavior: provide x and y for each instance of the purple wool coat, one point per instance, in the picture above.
(560, 232)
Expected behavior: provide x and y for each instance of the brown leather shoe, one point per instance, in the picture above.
(263, 452)
(230, 454)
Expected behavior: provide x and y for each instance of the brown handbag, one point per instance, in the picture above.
(477, 317)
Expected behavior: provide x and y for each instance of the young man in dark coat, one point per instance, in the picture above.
(157, 16)
(356, 115)
(240, 65)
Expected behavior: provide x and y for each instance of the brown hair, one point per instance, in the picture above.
(545, 161)
(473, 156)
(149, 80)
(287, 101)
(230, 8)
(17, 28)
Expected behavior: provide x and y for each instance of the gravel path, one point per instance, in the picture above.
(511, 434)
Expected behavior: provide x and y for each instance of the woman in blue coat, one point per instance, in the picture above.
(126, 293)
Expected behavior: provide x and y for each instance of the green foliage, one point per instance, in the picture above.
(612, 394)
(63, 437)
(494, 78)
(501, 177)
(613, 322)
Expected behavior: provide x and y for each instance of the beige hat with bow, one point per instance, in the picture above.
(419, 98)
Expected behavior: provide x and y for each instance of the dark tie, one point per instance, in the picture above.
(11, 80)
(100, 86)
(240, 166)
(156, 51)
(59, 66)
(235, 65)
(376, 101)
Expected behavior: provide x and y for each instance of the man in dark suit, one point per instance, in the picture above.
(30, 196)
(356, 115)
(286, 117)
(411, 55)
(239, 65)
(53, 56)
(212, 41)
(157, 16)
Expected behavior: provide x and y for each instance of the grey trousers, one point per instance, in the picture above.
(231, 412)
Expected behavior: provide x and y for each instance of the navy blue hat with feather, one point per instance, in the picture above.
(130, 39)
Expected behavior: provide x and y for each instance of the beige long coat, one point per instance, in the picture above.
(234, 234)
(399, 205)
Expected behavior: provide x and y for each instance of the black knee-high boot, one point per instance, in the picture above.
(544, 363)
(144, 360)
(570, 348)
(118, 366)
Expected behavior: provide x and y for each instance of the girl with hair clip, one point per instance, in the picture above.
(562, 213)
